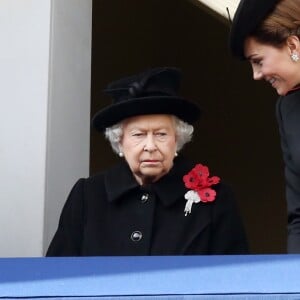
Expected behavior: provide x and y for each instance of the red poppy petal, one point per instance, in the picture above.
(201, 171)
(213, 180)
(207, 195)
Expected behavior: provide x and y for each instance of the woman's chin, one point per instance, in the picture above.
(150, 177)
(281, 92)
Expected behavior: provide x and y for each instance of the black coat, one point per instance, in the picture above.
(110, 214)
(288, 116)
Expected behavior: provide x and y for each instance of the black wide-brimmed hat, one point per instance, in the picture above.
(151, 92)
(248, 16)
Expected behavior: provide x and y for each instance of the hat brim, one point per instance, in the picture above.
(248, 16)
(183, 109)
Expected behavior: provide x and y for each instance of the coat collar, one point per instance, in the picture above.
(120, 180)
(295, 89)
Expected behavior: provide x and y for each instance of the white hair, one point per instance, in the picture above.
(184, 134)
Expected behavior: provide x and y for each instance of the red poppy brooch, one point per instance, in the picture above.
(199, 183)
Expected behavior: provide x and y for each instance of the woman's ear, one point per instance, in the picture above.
(293, 44)
(120, 153)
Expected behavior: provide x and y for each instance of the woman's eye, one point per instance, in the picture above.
(137, 134)
(161, 134)
(257, 62)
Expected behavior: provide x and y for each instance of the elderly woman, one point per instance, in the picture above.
(152, 202)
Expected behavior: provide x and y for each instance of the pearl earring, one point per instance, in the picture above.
(295, 57)
(176, 154)
(121, 154)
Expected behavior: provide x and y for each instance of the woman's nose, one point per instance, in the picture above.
(257, 74)
(150, 144)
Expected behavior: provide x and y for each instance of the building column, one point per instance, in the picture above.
(45, 62)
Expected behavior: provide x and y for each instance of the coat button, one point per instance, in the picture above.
(136, 236)
(145, 198)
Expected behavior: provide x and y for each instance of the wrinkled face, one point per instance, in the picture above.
(273, 64)
(149, 146)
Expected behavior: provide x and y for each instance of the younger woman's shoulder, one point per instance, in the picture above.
(289, 103)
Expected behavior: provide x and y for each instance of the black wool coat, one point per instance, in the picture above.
(288, 116)
(110, 214)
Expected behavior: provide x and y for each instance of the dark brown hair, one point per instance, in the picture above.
(282, 22)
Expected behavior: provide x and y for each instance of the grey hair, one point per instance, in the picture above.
(184, 134)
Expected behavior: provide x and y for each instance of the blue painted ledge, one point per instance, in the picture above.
(152, 277)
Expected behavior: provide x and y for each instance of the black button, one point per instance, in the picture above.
(145, 198)
(136, 236)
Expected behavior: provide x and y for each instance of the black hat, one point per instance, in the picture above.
(150, 92)
(248, 16)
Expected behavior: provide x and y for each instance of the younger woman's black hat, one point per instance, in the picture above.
(248, 16)
(150, 92)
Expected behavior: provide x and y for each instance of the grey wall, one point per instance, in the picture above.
(45, 60)
(237, 135)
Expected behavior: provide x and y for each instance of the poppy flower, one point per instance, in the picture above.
(199, 183)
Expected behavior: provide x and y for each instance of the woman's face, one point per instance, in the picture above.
(149, 146)
(273, 64)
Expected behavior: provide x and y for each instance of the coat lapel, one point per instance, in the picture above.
(118, 181)
(168, 189)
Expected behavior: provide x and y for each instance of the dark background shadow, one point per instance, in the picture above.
(237, 136)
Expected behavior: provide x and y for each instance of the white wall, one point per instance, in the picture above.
(44, 123)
